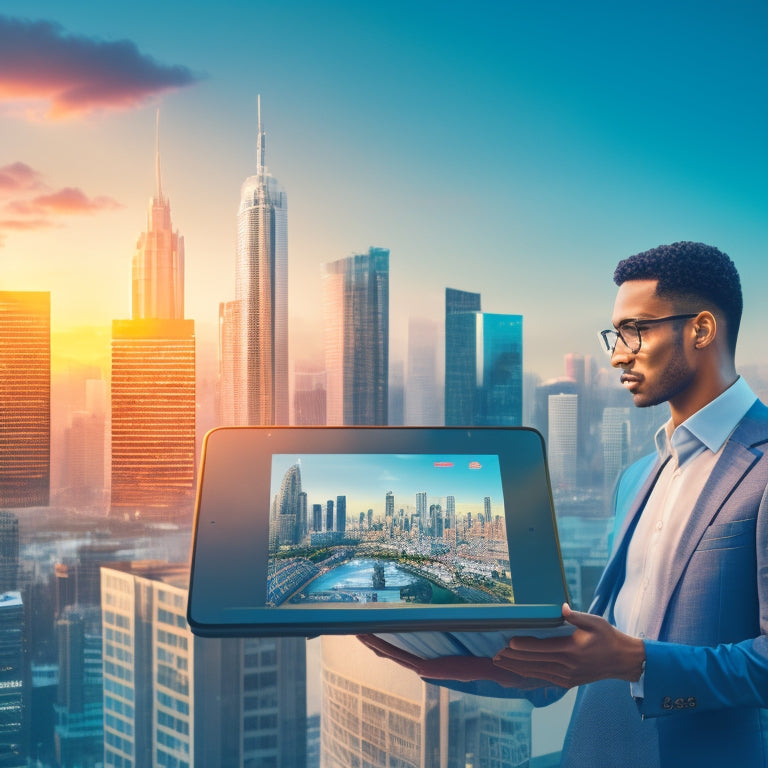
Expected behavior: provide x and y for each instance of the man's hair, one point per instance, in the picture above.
(692, 272)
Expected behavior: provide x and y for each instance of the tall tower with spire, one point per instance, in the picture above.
(153, 379)
(158, 264)
(260, 380)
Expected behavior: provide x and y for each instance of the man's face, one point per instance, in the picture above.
(661, 370)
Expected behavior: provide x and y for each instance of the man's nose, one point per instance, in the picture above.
(622, 355)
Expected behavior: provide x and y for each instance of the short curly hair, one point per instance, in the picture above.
(692, 272)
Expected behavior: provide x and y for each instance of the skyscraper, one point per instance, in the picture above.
(14, 746)
(25, 398)
(261, 288)
(153, 380)
(562, 441)
(9, 551)
(422, 390)
(287, 507)
(483, 364)
(158, 264)
(356, 310)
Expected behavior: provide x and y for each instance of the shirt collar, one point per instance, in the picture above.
(709, 427)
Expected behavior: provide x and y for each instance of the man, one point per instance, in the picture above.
(673, 655)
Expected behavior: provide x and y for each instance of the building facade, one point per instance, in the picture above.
(153, 418)
(261, 287)
(356, 325)
(483, 369)
(25, 398)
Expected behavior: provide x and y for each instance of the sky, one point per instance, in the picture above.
(365, 480)
(514, 149)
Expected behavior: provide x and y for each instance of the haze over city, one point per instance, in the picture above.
(496, 149)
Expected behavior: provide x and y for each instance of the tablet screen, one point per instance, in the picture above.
(374, 529)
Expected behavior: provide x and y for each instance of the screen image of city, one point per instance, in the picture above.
(384, 529)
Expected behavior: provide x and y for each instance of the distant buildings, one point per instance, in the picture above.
(153, 381)
(356, 324)
(25, 398)
(562, 441)
(423, 395)
(258, 336)
(9, 551)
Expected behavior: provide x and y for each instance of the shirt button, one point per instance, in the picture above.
(659, 525)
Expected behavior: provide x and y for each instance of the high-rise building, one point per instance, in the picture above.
(356, 311)
(423, 393)
(158, 263)
(261, 288)
(483, 368)
(25, 398)
(9, 551)
(562, 441)
(287, 506)
(79, 730)
(171, 698)
(153, 417)
(308, 394)
(229, 355)
(341, 514)
(14, 746)
(153, 381)
(616, 439)
(379, 715)
(85, 439)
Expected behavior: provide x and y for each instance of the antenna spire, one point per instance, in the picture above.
(259, 141)
(158, 182)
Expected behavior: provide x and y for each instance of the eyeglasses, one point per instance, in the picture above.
(629, 333)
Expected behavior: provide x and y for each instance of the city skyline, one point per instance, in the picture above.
(545, 144)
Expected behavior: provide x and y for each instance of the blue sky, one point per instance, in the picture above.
(366, 479)
(515, 149)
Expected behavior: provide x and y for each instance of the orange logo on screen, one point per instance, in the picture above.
(442, 464)
(475, 465)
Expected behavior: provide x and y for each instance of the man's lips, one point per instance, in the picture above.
(630, 380)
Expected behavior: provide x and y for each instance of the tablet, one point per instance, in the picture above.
(337, 530)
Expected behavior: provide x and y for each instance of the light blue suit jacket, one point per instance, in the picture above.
(706, 679)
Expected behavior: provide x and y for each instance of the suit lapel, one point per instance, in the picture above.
(735, 461)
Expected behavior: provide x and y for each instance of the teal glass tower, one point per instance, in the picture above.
(483, 364)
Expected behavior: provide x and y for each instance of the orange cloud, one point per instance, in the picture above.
(74, 75)
(19, 177)
(67, 200)
(27, 213)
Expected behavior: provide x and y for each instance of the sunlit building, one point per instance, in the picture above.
(356, 312)
(229, 354)
(25, 398)
(158, 263)
(153, 418)
(153, 381)
(261, 286)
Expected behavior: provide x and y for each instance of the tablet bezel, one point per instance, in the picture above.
(236, 465)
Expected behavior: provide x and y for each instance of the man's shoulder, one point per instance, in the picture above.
(753, 427)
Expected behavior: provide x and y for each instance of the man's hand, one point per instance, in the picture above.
(461, 668)
(595, 651)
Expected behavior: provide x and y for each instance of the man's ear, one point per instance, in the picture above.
(705, 327)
